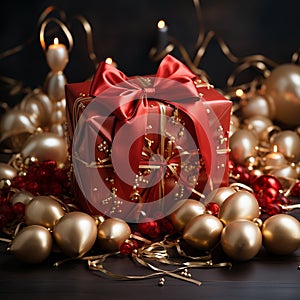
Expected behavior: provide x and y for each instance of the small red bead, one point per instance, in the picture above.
(126, 248)
(19, 182)
(273, 209)
(166, 226)
(212, 208)
(296, 190)
(19, 208)
(3, 200)
(49, 166)
(282, 200)
(270, 195)
(32, 187)
(150, 228)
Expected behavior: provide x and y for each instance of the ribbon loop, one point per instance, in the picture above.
(173, 84)
(150, 91)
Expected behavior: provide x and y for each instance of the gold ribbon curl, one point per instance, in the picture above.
(258, 62)
(157, 253)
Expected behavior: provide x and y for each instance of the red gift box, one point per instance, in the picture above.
(141, 144)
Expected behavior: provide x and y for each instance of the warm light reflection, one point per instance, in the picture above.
(109, 60)
(275, 148)
(239, 92)
(161, 24)
(56, 41)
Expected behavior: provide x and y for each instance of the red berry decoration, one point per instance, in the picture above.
(19, 208)
(296, 190)
(212, 208)
(267, 189)
(150, 228)
(126, 248)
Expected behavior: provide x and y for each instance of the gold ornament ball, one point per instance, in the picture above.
(112, 233)
(38, 106)
(285, 174)
(55, 85)
(75, 233)
(184, 211)
(219, 195)
(203, 232)
(7, 171)
(58, 129)
(242, 144)
(258, 105)
(46, 146)
(283, 93)
(15, 128)
(240, 205)
(259, 125)
(288, 143)
(281, 234)
(241, 240)
(32, 244)
(234, 124)
(21, 197)
(43, 210)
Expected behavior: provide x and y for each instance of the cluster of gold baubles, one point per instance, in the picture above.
(237, 228)
(265, 127)
(49, 224)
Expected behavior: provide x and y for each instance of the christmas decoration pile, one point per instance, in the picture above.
(38, 215)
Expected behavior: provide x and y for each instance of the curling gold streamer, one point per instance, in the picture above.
(63, 27)
(157, 253)
(257, 61)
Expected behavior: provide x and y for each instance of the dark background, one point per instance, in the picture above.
(126, 30)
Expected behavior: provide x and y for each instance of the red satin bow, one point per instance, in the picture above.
(127, 98)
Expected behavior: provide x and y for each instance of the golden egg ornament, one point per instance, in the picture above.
(258, 105)
(7, 171)
(240, 205)
(283, 93)
(33, 244)
(184, 211)
(242, 144)
(285, 174)
(58, 129)
(38, 106)
(21, 197)
(288, 143)
(112, 233)
(241, 240)
(203, 232)
(281, 234)
(55, 85)
(234, 124)
(46, 146)
(15, 128)
(219, 195)
(259, 125)
(75, 233)
(44, 211)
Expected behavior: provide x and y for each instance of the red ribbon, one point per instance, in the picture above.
(173, 84)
